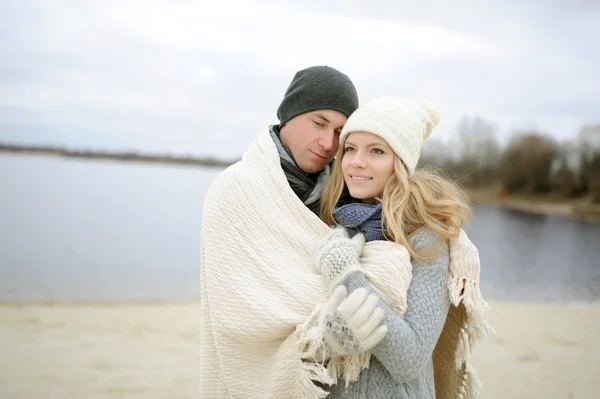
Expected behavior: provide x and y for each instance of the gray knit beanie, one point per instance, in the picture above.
(318, 87)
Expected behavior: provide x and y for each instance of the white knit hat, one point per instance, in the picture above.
(401, 123)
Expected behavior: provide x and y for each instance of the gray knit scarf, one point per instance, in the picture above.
(307, 186)
(359, 217)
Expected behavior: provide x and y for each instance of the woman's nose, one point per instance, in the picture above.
(358, 161)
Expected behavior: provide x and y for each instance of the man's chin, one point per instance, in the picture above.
(312, 168)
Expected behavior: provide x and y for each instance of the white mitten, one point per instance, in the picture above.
(351, 324)
(338, 255)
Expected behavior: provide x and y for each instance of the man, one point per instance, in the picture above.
(257, 283)
(311, 116)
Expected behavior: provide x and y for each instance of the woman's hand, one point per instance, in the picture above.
(338, 255)
(351, 324)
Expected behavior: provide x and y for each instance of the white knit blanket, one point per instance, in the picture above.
(259, 290)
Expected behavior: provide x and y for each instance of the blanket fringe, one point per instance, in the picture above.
(311, 348)
(470, 385)
(349, 367)
(311, 372)
(465, 291)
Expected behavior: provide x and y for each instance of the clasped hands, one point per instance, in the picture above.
(350, 323)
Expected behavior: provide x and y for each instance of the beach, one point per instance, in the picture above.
(541, 351)
(80, 351)
(150, 350)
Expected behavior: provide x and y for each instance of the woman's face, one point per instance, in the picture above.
(367, 164)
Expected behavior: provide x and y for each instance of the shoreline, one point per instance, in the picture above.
(574, 208)
(94, 303)
(115, 156)
(136, 303)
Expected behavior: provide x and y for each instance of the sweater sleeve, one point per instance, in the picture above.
(408, 346)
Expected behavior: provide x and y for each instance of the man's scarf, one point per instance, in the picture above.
(307, 186)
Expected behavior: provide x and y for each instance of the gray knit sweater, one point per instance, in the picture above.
(402, 365)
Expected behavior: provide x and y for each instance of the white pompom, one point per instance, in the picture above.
(434, 118)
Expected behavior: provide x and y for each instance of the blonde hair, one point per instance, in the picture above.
(425, 199)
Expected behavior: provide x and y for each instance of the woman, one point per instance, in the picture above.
(384, 349)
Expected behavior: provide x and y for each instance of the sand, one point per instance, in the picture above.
(99, 351)
(150, 350)
(541, 351)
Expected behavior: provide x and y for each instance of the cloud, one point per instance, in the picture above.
(204, 77)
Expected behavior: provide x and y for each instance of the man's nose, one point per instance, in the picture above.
(329, 141)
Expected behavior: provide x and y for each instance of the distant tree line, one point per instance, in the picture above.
(117, 156)
(531, 162)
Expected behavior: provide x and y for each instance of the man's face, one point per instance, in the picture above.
(313, 138)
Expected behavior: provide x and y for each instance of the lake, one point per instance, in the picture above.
(99, 230)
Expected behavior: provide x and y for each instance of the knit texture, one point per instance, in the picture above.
(341, 334)
(318, 87)
(337, 256)
(455, 376)
(258, 237)
(354, 325)
(259, 291)
(460, 330)
(402, 364)
(359, 217)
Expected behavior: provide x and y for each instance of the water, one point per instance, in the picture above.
(536, 257)
(100, 230)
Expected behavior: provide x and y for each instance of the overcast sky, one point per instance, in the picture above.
(205, 76)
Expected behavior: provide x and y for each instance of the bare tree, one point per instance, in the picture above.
(526, 163)
(588, 141)
(565, 170)
(435, 152)
(478, 151)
